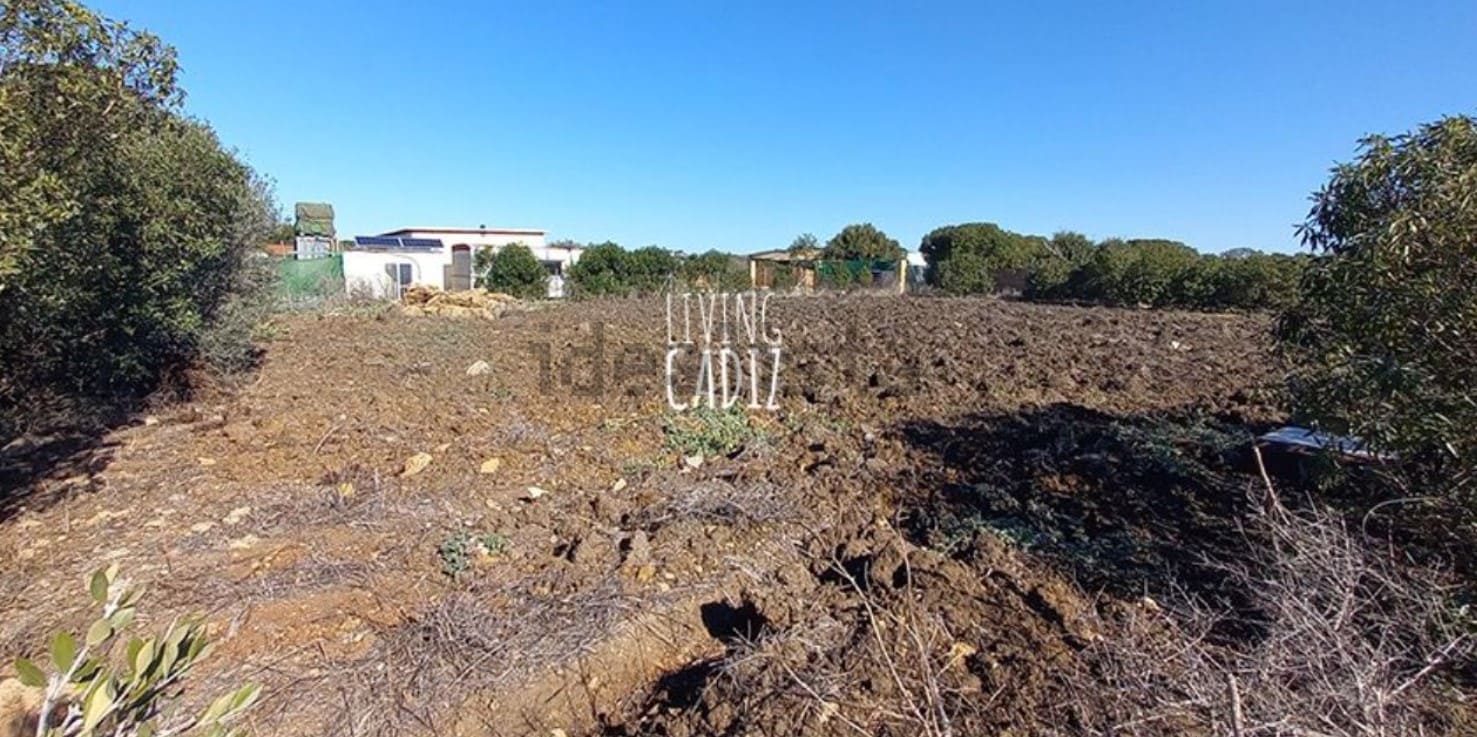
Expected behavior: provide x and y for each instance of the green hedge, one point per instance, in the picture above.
(607, 269)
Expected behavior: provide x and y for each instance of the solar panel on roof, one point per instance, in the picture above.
(382, 242)
(375, 241)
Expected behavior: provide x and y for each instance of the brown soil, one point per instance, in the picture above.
(979, 474)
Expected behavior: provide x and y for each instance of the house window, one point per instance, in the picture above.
(399, 278)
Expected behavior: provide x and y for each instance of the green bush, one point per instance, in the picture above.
(1383, 336)
(1050, 280)
(608, 269)
(861, 241)
(458, 549)
(512, 269)
(125, 227)
(648, 270)
(601, 271)
(717, 271)
(113, 691)
(709, 432)
(972, 258)
(1057, 274)
(1257, 281)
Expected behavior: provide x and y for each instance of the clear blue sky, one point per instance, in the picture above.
(739, 125)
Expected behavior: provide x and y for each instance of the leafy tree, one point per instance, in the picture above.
(965, 272)
(1137, 271)
(648, 269)
(125, 228)
(981, 254)
(1256, 280)
(804, 244)
(512, 269)
(600, 271)
(1071, 247)
(862, 242)
(1050, 279)
(716, 270)
(283, 232)
(1384, 333)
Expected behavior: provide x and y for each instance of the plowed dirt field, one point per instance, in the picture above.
(393, 540)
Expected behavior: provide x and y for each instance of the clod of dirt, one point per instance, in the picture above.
(637, 550)
(415, 464)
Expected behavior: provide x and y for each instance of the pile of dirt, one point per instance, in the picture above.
(423, 300)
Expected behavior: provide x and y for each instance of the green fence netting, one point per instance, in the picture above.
(308, 278)
(856, 273)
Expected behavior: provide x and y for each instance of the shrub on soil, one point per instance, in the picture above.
(99, 685)
(1383, 336)
(125, 227)
(709, 432)
(513, 270)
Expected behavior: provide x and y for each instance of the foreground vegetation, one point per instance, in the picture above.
(126, 228)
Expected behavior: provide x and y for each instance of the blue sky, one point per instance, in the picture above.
(737, 126)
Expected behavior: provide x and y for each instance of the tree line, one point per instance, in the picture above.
(979, 258)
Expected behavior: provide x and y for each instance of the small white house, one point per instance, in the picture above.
(387, 264)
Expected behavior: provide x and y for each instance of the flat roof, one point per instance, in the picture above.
(463, 231)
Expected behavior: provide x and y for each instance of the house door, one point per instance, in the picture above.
(400, 275)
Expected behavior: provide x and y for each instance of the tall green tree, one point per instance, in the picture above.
(1384, 334)
(862, 241)
(803, 245)
(126, 229)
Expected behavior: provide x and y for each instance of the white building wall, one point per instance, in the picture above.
(364, 271)
(479, 240)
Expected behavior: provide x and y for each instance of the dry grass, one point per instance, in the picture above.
(1349, 641)
(470, 643)
(733, 502)
(881, 664)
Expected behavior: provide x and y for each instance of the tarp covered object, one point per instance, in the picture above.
(314, 218)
